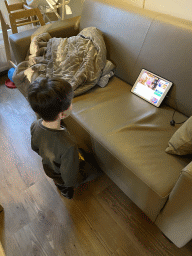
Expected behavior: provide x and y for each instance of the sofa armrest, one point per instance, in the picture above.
(61, 28)
(175, 220)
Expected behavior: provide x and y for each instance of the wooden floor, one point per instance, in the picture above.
(38, 221)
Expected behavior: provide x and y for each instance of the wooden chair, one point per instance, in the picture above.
(4, 27)
(20, 15)
(2, 253)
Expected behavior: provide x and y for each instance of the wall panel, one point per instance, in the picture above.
(178, 8)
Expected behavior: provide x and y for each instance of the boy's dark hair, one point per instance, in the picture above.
(50, 96)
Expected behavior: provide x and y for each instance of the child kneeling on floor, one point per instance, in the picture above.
(62, 161)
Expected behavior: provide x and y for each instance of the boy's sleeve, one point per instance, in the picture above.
(32, 126)
(70, 166)
(34, 148)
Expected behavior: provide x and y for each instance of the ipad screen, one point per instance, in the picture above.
(151, 87)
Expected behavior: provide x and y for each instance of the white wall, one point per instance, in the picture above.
(178, 8)
(138, 3)
(76, 7)
(4, 11)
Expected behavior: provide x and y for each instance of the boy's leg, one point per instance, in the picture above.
(59, 185)
(67, 192)
(88, 168)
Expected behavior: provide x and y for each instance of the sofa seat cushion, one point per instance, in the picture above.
(134, 131)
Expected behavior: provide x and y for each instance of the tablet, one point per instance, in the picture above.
(151, 87)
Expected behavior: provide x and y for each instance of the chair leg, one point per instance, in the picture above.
(13, 24)
(40, 16)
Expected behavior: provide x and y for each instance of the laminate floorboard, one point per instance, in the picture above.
(38, 221)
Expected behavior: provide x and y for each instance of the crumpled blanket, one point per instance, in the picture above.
(80, 60)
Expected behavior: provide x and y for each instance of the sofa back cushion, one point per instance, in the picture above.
(124, 28)
(137, 38)
(167, 51)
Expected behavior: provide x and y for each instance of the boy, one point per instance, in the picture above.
(51, 100)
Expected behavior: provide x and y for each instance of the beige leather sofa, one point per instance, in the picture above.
(128, 135)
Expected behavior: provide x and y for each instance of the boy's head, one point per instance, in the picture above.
(49, 97)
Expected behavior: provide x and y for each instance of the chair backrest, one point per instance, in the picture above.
(21, 14)
(30, 13)
(13, 7)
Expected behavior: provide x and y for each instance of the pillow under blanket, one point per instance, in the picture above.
(80, 60)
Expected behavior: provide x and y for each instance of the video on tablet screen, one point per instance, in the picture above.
(151, 87)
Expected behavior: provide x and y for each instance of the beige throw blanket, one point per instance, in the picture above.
(81, 60)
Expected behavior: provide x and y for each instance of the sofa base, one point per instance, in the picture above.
(144, 197)
(102, 125)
